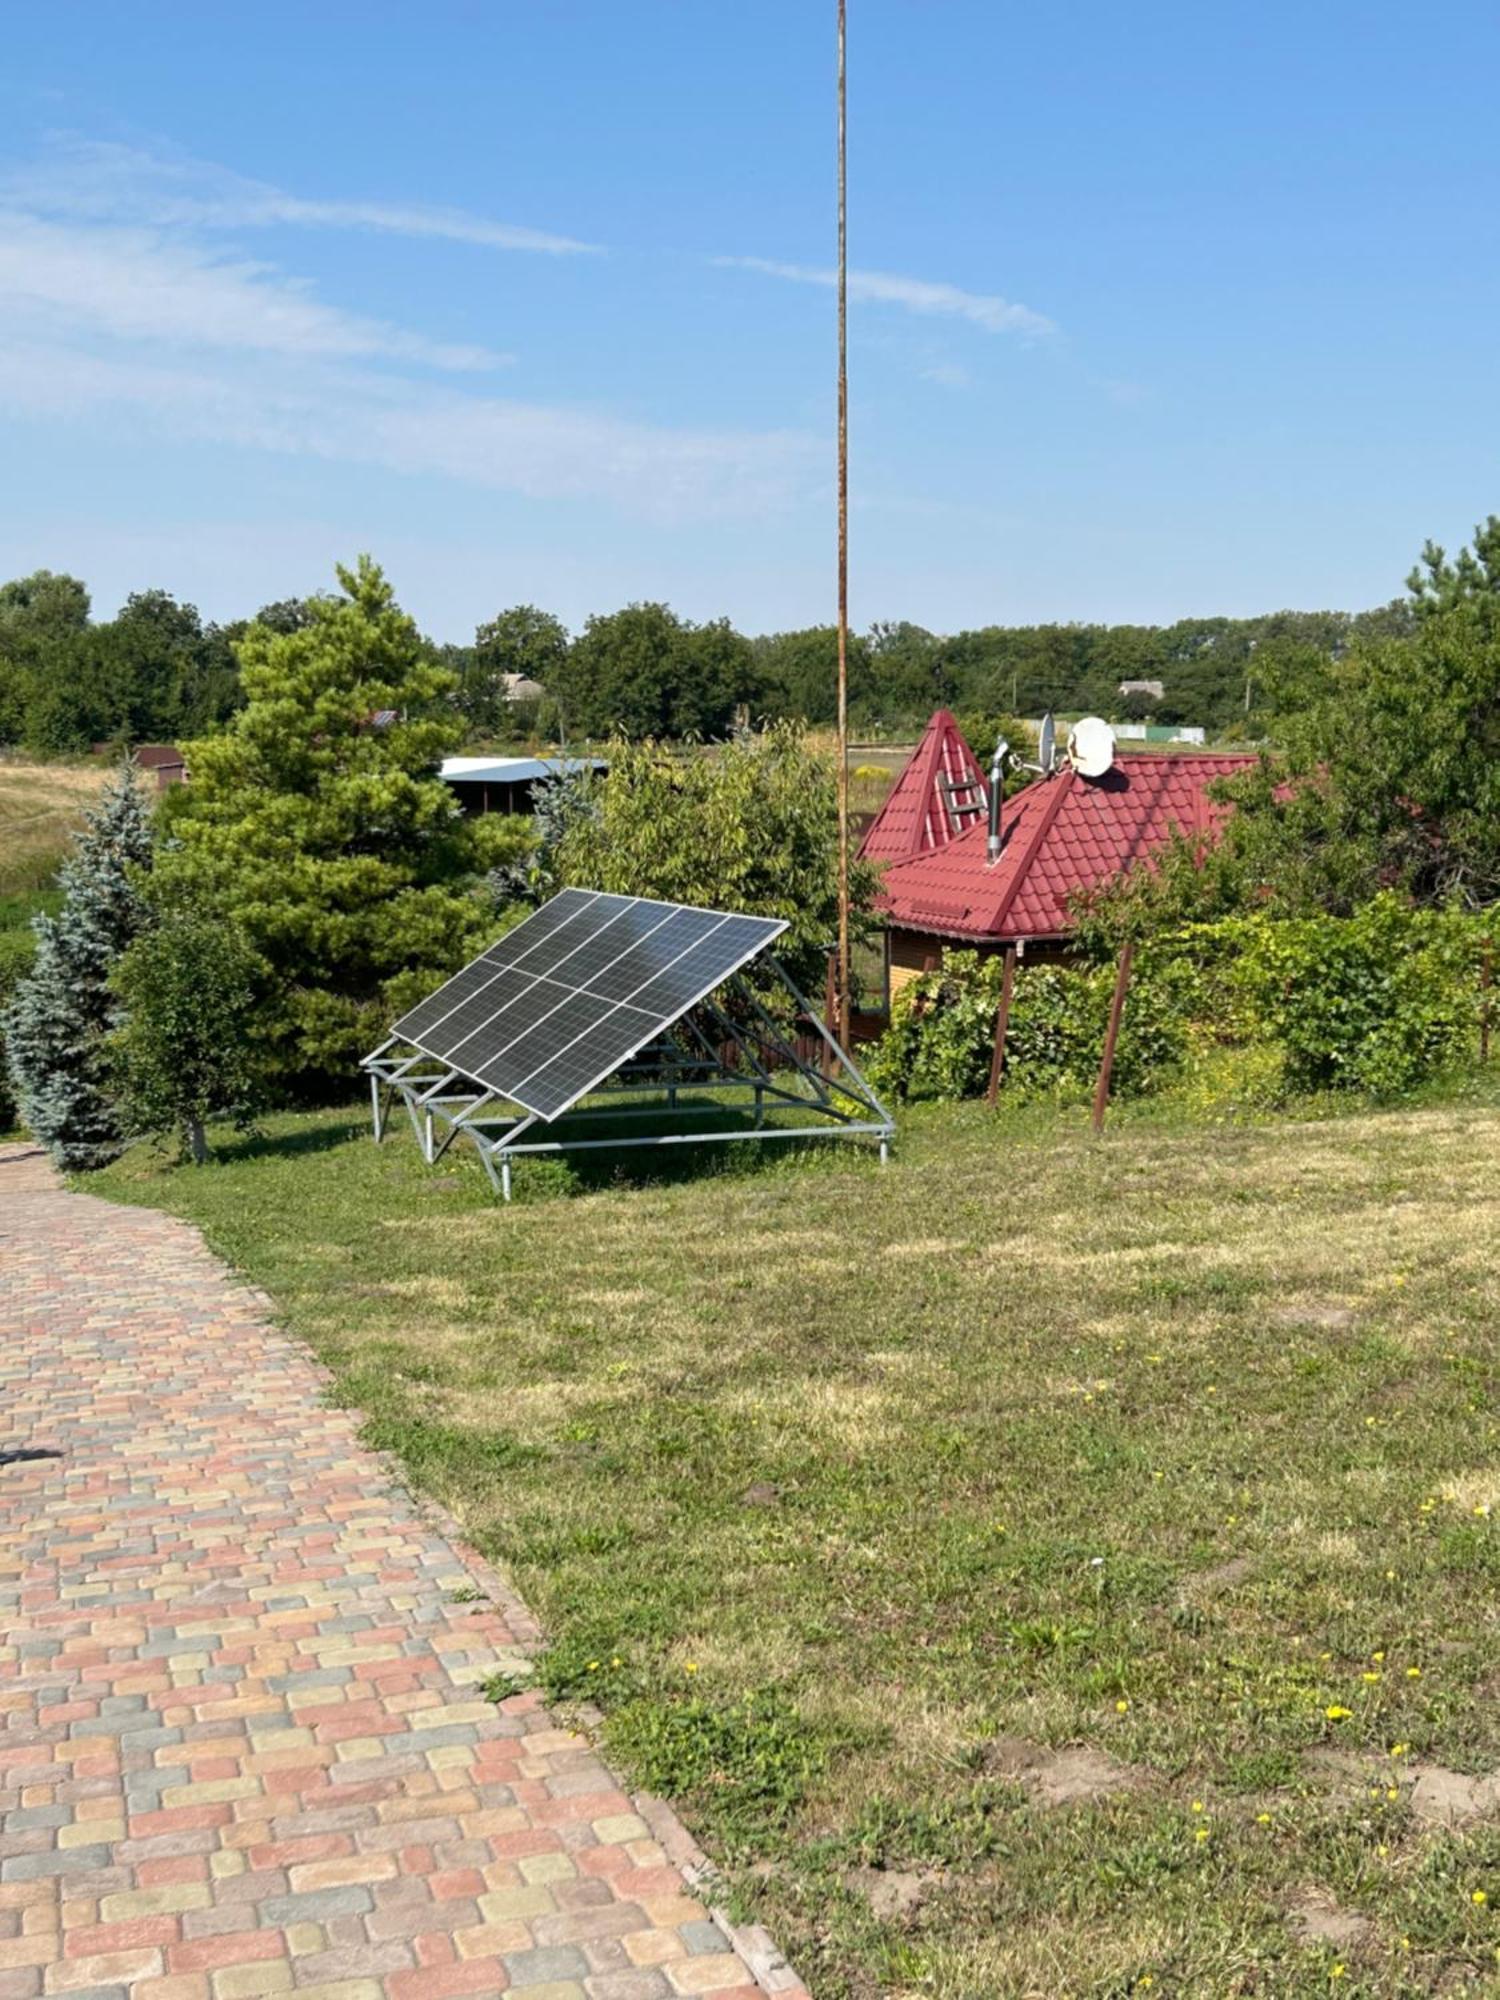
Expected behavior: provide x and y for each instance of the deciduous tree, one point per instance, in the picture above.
(184, 1051)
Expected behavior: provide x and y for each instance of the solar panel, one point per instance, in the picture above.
(560, 1002)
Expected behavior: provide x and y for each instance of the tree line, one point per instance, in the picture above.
(317, 878)
(158, 672)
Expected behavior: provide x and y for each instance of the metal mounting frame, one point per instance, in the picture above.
(753, 1053)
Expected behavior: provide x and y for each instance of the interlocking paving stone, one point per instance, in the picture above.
(241, 1751)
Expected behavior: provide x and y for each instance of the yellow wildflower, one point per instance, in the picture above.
(1337, 1714)
(1479, 1897)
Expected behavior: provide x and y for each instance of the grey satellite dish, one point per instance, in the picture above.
(1091, 747)
(1046, 746)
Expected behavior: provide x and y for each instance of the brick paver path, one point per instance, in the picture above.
(241, 1747)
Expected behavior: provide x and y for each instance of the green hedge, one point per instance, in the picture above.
(1376, 1002)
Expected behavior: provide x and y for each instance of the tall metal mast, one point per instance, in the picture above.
(843, 995)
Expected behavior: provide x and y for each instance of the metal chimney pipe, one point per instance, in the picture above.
(997, 794)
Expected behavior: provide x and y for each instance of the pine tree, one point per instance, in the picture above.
(56, 1026)
(316, 824)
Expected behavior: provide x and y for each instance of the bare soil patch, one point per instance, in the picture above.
(1315, 1918)
(1327, 1317)
(1076, 1775)
(895, 1893)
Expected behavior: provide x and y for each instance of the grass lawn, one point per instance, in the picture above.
(881, 1511)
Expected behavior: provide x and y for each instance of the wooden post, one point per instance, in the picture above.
(830, 1003)
(1486, 981)
(1002, 1022)
(1111, 1036)
(843, 988)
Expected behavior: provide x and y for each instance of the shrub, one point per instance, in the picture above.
(942, 1029)
(183, 1053)
(1376, 1002)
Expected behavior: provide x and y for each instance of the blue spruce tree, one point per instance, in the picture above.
(55, 1027)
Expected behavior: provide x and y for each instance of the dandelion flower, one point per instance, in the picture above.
(1399, 1749)
(1121, 1707)
(1262, 1819)
(1414, 1673)
(1337, 1971)
(1392, 1793)
(1377, 1657)
(593, 1666)
(1197, 1805)
(1370, 1676)
(691, 1667)
(1479, 1897)
(1336, 1713)
(1201, 1834)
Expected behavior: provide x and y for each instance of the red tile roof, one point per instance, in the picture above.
(941, 791)
(1061, 834)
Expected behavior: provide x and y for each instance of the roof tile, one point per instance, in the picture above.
(1062, 834)
(940, 793)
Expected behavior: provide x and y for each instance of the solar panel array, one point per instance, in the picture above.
(545, 1015)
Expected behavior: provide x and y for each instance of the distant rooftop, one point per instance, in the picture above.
(515, 770)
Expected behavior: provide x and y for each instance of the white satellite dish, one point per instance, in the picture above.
(1091, 747)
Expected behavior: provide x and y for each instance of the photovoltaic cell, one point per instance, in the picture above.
(559, 1003)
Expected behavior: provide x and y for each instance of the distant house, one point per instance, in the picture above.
(507, 784)
(162, 761)
(1064, 833)
(1153, 690)
(517, 687)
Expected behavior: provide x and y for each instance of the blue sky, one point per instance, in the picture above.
(1157, 310)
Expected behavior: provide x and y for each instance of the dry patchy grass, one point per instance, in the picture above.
(41, 808)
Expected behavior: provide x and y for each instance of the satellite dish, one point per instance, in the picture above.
(1046, 744)
(1091, 747)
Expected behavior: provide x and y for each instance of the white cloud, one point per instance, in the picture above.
(122, 311)
(133, 284)
(98, 181)
(918, 295)
(358, 416)
(948, 375)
